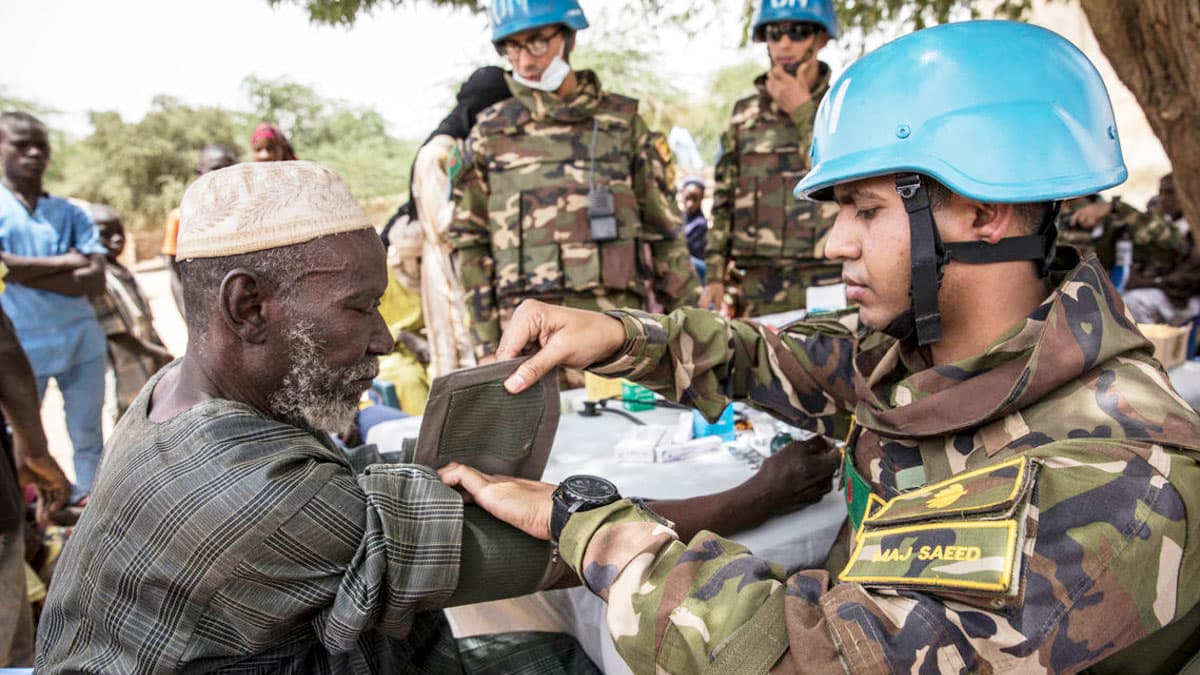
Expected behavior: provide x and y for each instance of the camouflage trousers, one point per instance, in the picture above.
(768, 289)
(599, 301)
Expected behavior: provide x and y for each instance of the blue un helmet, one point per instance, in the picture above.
(513, 16)
(810, 11)
(994, 110)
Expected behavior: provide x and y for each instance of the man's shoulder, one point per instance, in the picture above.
(225, 432)
(63, 209)
(506, 114)
(619, 104)
(746, 110)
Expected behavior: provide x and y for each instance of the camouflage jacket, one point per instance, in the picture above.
(521, 226)
(1158, 244)
(764, 153)
(1035, 505)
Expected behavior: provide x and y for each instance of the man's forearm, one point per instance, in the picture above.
(725, 513)
(63, 282)
(23, 269)
(18, 389)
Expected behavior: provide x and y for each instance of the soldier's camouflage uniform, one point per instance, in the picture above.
(1044, 499)
(778, 240)
(1155, 240)
(521, 226)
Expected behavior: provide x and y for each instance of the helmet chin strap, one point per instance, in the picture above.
(930, 256)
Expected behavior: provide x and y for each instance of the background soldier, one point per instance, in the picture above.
(565, 194)
(757, 223)
(1021, 476)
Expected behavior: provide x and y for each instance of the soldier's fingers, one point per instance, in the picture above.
(538, 365)
(522, 330)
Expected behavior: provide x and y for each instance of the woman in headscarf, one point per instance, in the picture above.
(270, 145)
(418, 251)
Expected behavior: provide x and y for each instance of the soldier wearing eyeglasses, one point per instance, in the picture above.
(775, 241)
(563, 193)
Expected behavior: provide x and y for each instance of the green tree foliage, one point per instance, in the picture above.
(142, 168)
(354, 141)
(864, 15)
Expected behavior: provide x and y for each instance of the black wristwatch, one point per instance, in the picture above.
(579, 493)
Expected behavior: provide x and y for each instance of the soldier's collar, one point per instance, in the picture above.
(580, 105)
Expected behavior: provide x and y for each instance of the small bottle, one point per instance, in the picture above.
(1123, 262)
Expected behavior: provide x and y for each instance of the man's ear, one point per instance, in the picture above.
(993, 222)
(822, 40)
(242, 295)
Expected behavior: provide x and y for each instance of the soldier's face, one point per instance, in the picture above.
(871, 239)
(785, 50)
(525, 63)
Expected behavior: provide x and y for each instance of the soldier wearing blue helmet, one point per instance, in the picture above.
(1021, 479)
(564, 194)
(774, 240)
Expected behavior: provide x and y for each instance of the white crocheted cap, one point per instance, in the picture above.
(262, 205)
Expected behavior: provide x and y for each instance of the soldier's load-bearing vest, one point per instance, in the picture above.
(542, 239)
(769, 222)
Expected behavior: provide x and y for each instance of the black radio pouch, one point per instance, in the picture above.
(602, 217)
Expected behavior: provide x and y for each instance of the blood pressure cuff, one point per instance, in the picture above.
(499, 561)
(472, 419)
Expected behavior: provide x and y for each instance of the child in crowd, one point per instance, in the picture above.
(135, 351)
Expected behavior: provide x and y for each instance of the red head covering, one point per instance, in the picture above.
(267, 130)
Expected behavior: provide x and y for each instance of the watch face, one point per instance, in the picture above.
(591, 488)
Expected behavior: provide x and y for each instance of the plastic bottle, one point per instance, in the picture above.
(1123, 261)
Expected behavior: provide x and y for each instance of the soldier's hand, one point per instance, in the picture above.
(799, 474)
(713, 297)
(524, 504)
(790, 92)
(569, 337)
(1089, 216)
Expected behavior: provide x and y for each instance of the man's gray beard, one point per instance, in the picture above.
(313, 393)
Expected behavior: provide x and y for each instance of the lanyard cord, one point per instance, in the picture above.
(592, 159)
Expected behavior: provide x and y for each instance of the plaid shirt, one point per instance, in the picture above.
(224, 540)
(122, 309)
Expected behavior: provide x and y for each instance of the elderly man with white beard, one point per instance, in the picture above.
(226, 531)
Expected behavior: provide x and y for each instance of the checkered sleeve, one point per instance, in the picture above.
(402, 528)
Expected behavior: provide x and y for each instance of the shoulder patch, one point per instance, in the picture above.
(454, 163)
(962, 535)
(663, 147)
(991, 488)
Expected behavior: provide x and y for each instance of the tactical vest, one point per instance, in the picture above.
(768, 222)
(539, 174)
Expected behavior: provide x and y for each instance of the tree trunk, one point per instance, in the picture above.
(1152, 45)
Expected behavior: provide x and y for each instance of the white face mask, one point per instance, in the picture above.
(552, 77)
